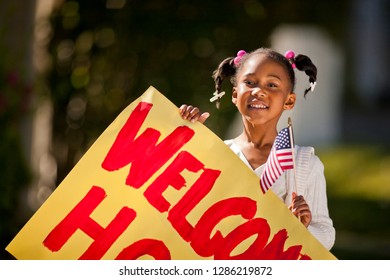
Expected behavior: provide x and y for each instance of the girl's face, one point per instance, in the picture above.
(262, 91)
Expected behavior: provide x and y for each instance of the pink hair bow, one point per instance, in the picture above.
(239, 56)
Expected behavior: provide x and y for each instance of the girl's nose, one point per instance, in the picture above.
(257, 92)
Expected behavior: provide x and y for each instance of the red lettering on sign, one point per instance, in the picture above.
(144, 155)
(177, 215)
(221, 247)
(172, 177)
(202, 242)
(305, 257)
(275, 249)
(79, 218)
(257, 226)
(151, 247)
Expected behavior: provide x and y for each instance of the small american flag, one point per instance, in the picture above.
(279, 159)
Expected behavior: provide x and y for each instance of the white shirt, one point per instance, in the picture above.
(311, 185)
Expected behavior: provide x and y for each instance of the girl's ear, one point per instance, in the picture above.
(234, 96)
(290, 101)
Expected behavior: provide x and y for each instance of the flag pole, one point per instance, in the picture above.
(293, 156)
(290, 128)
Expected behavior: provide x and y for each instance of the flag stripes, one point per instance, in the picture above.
(279, 160)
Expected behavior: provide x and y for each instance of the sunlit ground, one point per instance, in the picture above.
(358, 179)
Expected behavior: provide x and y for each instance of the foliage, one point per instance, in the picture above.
(15, 174)
(104, 58)
(359, 199)
(358, 171)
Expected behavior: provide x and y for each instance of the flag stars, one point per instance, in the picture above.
(283, 140)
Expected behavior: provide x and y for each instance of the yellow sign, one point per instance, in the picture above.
(154, 186)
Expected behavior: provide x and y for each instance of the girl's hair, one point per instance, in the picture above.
(228, 68)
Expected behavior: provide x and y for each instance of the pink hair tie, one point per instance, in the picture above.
(290, 55)
(239, 56)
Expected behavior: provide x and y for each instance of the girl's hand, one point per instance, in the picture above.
(300, 209)
(192, 114)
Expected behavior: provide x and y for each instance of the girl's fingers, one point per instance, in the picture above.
(192, 114)
(204, 117)
(185, 110)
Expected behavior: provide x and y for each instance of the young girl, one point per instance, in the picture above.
(263, 84)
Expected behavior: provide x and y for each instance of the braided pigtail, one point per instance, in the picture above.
(227, 69)
(304, 63)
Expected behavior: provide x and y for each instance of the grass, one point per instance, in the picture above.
(358, 184)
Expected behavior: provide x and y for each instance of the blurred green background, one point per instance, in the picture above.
(68, 68)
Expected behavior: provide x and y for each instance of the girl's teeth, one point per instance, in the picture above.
(258, 106)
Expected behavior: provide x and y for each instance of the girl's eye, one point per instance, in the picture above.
(272, 85)
(250, 83)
